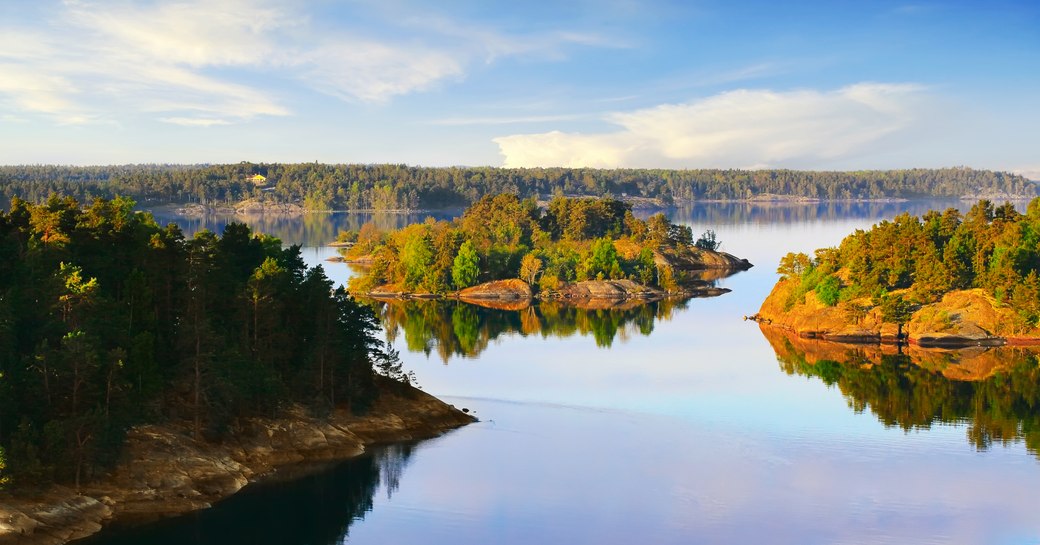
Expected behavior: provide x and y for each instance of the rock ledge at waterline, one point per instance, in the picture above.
(164, 472)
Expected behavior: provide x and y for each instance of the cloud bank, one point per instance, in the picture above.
(739, 129)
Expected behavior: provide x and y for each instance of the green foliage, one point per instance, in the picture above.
(349, 236)
(108, 320)
(707, 241)
(466, 266)
(602, 262)
(416, 257)
(794, 265)
(895, 309)
(828, 290)
(992, 248)
(573, 239)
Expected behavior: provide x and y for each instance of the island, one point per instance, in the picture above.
(145, 374)
(505, 248)
(942, 279)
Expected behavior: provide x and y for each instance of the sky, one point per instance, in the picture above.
(596, 83)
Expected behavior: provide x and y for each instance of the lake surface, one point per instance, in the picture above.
(673, 423)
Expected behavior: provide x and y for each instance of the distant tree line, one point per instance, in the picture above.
(108, 319)
(318, 186)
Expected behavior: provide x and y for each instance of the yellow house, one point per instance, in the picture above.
(258, 179)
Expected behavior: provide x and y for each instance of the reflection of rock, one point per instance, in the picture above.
(992, 389)
(498, 304)
(964, 364)
(165, 472)
(511, 289)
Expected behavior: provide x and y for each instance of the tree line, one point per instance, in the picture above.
(108, 319)
(317, 186)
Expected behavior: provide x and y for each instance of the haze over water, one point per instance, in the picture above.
(691, 432)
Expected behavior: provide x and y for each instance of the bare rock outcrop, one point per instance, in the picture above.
(165, 472)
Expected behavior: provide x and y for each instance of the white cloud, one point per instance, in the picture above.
(223, 59)
(374, 72)
(741, 128)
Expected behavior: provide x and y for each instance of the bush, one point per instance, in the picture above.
(708, 241)
(829, 290)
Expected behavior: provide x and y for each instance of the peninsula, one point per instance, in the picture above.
(506, 248)
(943, 279)
(145, 374)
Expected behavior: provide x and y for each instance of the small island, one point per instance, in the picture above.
(942, 279)
(505, 248)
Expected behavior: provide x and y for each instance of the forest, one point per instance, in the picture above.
(316, 186)
(109, 320)
(914, 260)
(503, 237)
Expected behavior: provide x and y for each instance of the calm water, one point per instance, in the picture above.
(674, 423)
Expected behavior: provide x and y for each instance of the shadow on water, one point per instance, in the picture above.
(994, 390)
(317, 509)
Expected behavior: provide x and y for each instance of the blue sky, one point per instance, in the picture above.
(811, 85)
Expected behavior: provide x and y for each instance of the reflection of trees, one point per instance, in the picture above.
(454, 328)
(996, 391)
(318, 508)
(738, 213)
(308, 230)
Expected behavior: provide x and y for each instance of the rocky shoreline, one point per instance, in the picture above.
(519, 293)
(962, 318)
(164, 472)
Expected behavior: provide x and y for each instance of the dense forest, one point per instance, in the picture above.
(503, 237)
(108, 319)
(317, 186)
(911, 261)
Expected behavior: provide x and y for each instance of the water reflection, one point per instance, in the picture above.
(995, 391)
(308, 230)
(772, 213)
(454, 328)
(317, 509)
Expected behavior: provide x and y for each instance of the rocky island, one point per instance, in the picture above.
(943, 279)
(506, 249)
(144, 374)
